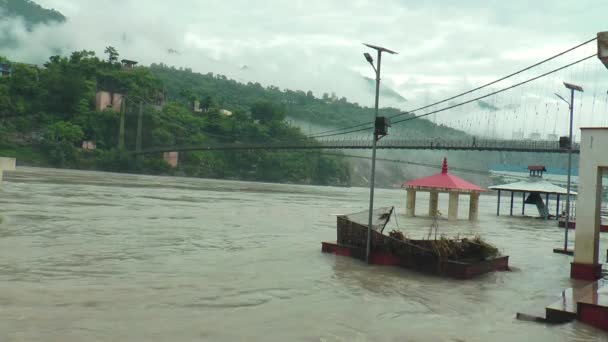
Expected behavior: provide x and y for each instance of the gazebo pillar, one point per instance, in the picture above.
(410, 205)
(557, 213)
(453, 206)
(433, 203)
(474, 206)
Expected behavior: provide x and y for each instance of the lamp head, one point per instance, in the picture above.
(573, 86)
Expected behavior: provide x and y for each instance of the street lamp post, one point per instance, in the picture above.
(372, 180)
(572, 88)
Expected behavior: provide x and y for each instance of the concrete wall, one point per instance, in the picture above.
(7, 164)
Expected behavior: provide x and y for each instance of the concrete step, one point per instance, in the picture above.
(536, 312)
(532, 315)
(565, 309)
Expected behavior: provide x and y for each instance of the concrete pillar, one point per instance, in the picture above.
(593, 159)
(474, 206)
(433, 203)
(410, 205)
(7, 164)
(453, 206)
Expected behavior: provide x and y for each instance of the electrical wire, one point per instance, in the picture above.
(469, 101)
(466, 92)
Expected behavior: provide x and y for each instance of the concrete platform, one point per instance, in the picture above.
(8, 164)
(563, 310)
(588, 304)
(448, 268)
(572, 225)
(592, 307)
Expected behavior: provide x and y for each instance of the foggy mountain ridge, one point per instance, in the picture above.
(32, 13)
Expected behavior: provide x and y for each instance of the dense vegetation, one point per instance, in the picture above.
(46, 114)
(326, 110)
(30, 11)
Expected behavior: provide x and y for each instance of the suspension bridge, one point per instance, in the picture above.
(394, 144)
(514, 113)
(518, 112)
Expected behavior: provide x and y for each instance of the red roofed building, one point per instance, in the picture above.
(443, 182)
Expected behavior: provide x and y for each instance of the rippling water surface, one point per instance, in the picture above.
(88, 256)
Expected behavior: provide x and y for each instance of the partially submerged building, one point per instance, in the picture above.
(447, 183)
(534, 190)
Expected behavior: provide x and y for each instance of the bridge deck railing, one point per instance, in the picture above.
(434, 143)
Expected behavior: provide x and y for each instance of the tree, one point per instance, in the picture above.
(112, 54)
(64, 86)
(208, 102)
(266, 112)
(56, 109)
(59, 142)
(63, 131)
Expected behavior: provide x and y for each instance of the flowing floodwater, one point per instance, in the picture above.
(88, 256)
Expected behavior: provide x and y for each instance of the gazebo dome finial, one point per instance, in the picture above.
(444, 167)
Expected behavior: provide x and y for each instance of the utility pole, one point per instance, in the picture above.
(121, 129)
(377, 132)
(139, 127)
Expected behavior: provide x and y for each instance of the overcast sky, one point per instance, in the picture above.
(444, 45)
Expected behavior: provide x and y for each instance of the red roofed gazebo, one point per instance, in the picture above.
(443, 182)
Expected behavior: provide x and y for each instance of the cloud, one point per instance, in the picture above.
(444, 46)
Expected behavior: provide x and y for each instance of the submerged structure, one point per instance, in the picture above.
(447, 183)
(461, 258)
(535, 188)
(587, 303)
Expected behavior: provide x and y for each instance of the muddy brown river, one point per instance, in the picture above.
(88, 256)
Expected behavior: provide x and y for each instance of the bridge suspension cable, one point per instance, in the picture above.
(322, 134)
(462, 103)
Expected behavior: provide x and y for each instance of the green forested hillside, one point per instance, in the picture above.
(46, 113)
(30, 11)
(185, 85)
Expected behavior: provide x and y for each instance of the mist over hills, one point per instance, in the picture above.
(31, 12)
